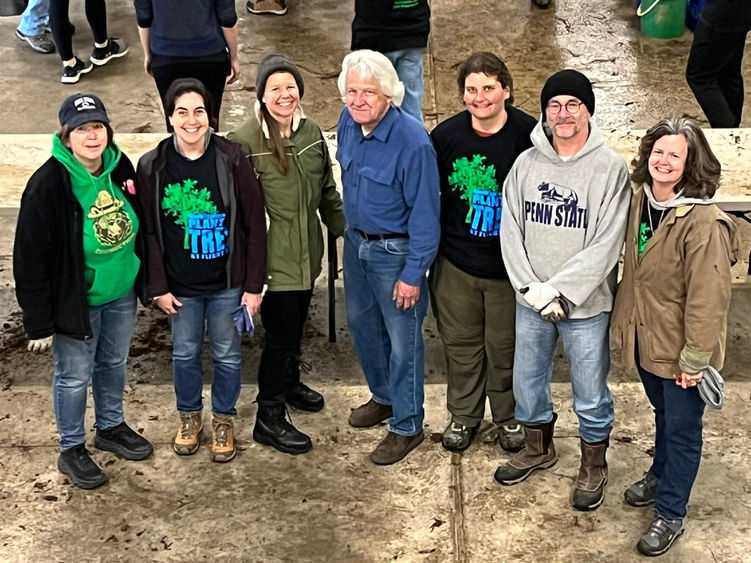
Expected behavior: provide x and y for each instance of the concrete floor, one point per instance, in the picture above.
(333, 504)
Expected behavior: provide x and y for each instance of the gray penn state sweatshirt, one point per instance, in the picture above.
(563, 221)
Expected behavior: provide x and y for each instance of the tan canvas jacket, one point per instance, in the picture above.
(675, 299)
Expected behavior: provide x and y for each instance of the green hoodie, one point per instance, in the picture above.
(109, 226)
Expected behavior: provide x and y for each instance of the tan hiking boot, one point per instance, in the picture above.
(188, 436)
(223, 447)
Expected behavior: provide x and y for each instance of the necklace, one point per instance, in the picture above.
(649, 216)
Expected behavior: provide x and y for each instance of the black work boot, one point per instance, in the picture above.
(76, 463)
(538, 453)
(593, 476)
(300, 396)
(273, 429)
(303, 398)
(123, 441)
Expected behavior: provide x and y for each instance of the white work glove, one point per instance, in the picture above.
(539, 295)
(39, 345)
(555, 311)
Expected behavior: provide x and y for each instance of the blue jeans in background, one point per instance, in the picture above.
(409, 69)
(678, 441)
(212, 311)
(388, 341)
(101, 359)
(587, 347)
(35, 18)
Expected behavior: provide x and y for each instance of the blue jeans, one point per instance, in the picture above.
(101, 359)
(35, 18)
(388, 341)
(678, 441)
(587, 347)
(408, 66)
(212, 311)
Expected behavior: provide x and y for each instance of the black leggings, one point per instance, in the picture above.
(62, 30)
(283, 314)
(212, 70)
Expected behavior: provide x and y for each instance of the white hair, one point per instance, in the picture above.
(371, 64)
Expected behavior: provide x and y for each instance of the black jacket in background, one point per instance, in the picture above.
(48, 260)
(384, 26)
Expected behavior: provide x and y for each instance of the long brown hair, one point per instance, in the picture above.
(278, 148)
(701, 176)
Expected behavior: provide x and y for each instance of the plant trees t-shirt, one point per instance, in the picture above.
(194, 225)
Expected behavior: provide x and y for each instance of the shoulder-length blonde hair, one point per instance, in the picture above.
(701, 176)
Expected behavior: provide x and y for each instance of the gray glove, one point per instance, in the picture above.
(555, 311)
(39, 345)
(538, 295)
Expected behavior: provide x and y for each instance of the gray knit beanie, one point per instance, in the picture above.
(275, 62)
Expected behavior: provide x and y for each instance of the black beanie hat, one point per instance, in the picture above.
(275, 62)
(568, 82)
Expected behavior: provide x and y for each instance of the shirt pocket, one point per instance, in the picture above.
(380, 187)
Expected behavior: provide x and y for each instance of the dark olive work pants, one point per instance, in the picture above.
(476, 322)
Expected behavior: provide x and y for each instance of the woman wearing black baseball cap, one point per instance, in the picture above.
(77, 265)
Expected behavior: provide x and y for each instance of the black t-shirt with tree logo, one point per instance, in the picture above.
(194, 225)
(472, 170)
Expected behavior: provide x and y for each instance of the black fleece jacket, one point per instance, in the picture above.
(48, 260)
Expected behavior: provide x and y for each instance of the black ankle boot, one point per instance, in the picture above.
(273, 429)
(303, 398)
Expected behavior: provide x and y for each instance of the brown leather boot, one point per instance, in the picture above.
(538, 453)
(223, 447)
(188, 436)
(593, 475)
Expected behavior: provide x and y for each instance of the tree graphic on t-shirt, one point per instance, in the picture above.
(183, 201)
(470, 176)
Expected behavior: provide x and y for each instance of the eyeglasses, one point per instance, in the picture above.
(572, 106)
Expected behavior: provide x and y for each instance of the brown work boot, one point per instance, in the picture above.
(538, 453)
(222, 438)
(188, 436)
(593, 476)
(369, 414)
(394, 447)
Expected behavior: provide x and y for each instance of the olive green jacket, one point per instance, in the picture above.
(295, 240)
(673, 301)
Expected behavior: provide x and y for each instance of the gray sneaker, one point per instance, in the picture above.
(660, 536)
(642, 493)
(457, 437)
(41, 43)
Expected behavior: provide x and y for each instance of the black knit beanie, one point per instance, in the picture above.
(568, 83)
(275, 62)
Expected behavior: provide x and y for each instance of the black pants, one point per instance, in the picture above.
(283, 314)
(62, 30)
(714, 75)
(212, 70)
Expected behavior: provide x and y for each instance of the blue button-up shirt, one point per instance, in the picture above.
(390, 184)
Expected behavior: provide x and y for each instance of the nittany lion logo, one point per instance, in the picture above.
(558, 195)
